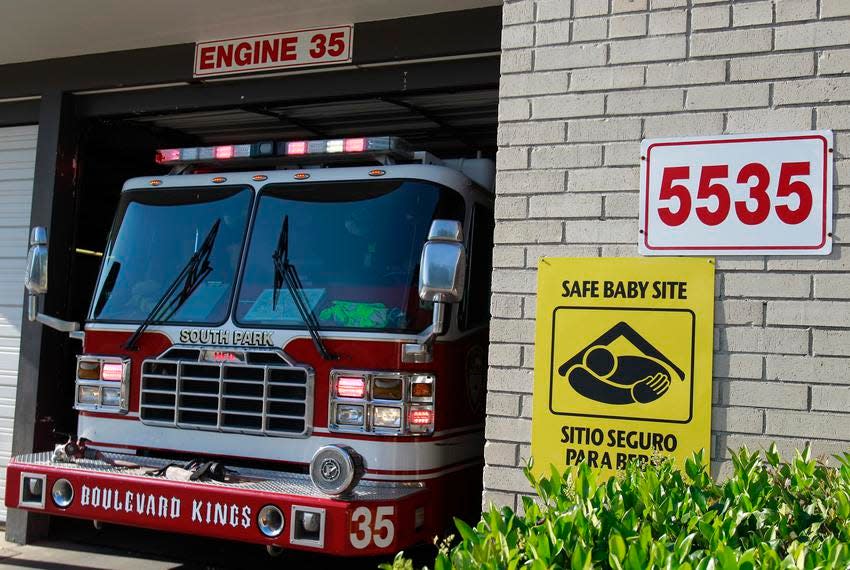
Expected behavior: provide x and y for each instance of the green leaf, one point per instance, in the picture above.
(617, 546)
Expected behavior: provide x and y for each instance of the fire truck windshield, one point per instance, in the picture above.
(155, 233)
(357, 246)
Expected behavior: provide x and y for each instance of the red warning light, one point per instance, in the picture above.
(296, 147)
(354, 145)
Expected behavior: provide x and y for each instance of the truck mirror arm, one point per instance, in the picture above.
(420, 352)
(55, 323)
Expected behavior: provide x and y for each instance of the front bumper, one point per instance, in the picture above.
(376, 518)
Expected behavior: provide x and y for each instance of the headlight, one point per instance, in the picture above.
(349, 415)
(111, 396)
(386, 389)
(387, 417)
(88, 394)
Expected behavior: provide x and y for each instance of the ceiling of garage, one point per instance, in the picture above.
(444, 122)
(58, 28)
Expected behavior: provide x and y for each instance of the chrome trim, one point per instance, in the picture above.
(23, 481)
(369, 402)
(266, 382)
(123, 384)
(293, 522)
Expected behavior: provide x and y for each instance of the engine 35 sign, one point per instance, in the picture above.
(318, 46)
(737, 195)
(623, 358)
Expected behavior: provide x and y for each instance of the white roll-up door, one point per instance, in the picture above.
(17, 164)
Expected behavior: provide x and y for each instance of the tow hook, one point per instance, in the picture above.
(274, 551)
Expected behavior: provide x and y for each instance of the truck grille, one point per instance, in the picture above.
(264, 394)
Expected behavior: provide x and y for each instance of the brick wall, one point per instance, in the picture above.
(582, 83)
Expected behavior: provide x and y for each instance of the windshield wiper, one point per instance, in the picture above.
(284, 273)
(191, 276)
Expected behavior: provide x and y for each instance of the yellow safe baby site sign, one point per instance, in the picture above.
(623, 359)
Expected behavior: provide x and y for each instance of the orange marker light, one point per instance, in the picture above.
(259, 177)
(219, 179)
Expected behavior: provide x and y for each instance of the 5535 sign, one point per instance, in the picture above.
(737, 195)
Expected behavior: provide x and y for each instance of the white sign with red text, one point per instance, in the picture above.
(737, 195)
(318, 46)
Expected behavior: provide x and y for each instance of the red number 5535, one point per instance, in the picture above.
(751, 211)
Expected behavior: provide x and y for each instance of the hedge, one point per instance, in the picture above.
(768, 514)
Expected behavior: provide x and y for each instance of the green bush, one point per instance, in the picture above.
(768, 514)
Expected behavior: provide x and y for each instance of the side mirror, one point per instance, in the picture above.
(36, 278)
(443, 265)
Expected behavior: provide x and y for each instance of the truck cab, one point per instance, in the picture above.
(286, 345)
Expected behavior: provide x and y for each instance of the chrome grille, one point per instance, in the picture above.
(262, 395)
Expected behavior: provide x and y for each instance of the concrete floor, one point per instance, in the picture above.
(76, 545)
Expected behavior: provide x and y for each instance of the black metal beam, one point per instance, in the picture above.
(42, 355)
(434, 35)
(17, 113)
(462, 32)
(348, 83)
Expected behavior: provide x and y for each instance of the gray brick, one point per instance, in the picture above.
(508, 429)
(762, 120)
(831, 343)
(622, 205)
(809, 313)
(517, 36)
(808, 369)
(514, 281)
(548, 33)
(831, 398)
(511, 207)
(752, 13)
(514, 110)
(603, 130)
(710, 17)
(766, 340)
(761, 394)
(838, 260)
(637, 102)
(505, 354)
(566, 106)
(532, 133)
(796, 10)
(500, 404)
(530, 182)
(509, 256)
(600, 231)
(566, 156)
(662, 4)
(627, 26)
(521, 84)
(834, 8)
(496, 453)
(587, 29)
(786, 446)
(528, 232)
(569, 57)
(766, 285)
(772, 66)
(553, 9)
(506, 479)
(618, 6)
(498, 499)
(805, 424)
(737, 365)
(584, 8)
(738, 312)
(737, 419)
(727, 96)
(603, 180)
(686, 73)
(832, 286)
(565, 206)
(812, 34)
(535, 252)
(516, 60)
(511, 380)
(621, 154)
(648, 49)
(512, 158)
(731, 42)
(508, 307)
(606, 78)
(688, 124)
(812, 90)
(517, 13)
(668, 22)
(834, 62)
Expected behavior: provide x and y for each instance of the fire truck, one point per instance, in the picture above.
(286, 346)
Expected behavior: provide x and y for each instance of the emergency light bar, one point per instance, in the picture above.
(286, 149)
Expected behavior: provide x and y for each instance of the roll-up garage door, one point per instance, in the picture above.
(17, 163)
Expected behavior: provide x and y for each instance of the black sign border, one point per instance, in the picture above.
(693, 370)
